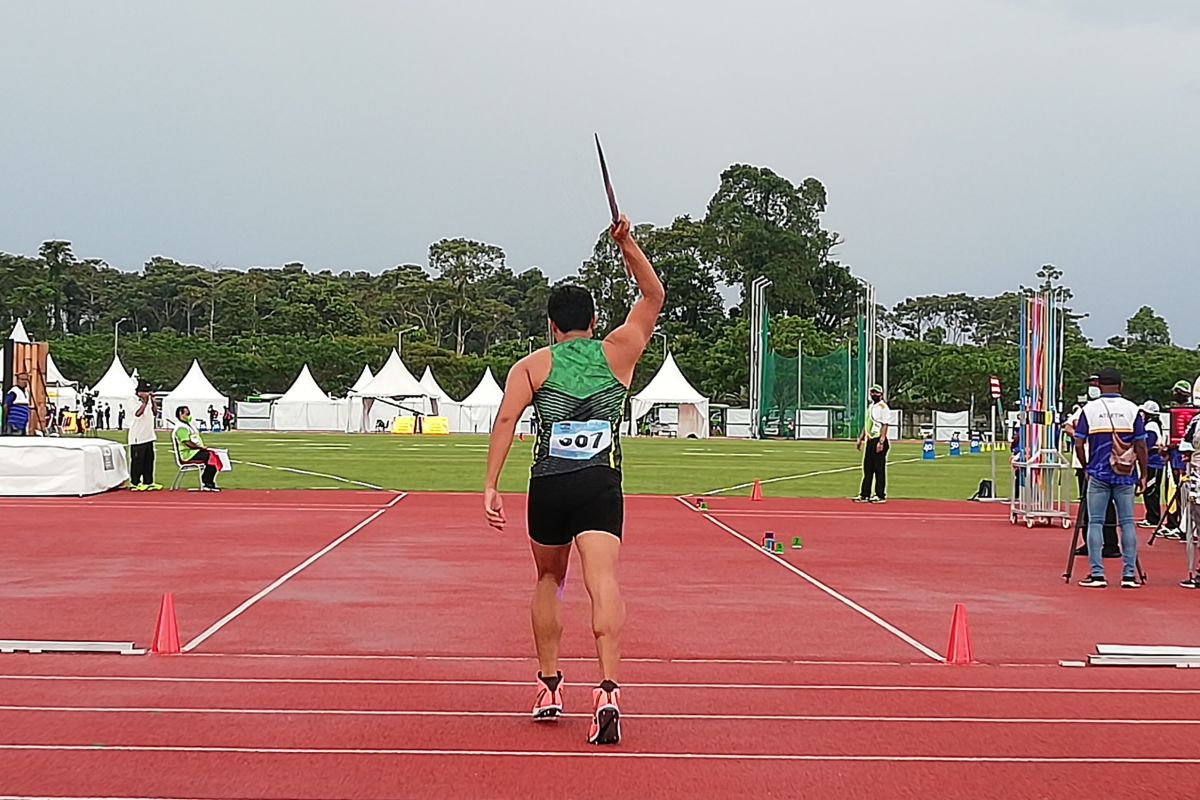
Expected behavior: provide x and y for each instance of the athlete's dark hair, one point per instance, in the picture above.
(571, 308)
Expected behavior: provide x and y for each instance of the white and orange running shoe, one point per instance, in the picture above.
(549, 704)
(606, 715)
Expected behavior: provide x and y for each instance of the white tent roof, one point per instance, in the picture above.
(195, 386)
(669, 386)
(431, 385)
(363, 380)
(394, 380)
(487, 393)
(18, 333)
(304, 390)
(116, 381)
(53, 376)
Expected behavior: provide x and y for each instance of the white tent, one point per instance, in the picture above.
(441, 403)
(384, 397)
(304, 407)
(477, 411)
(59, 390)
(117, 389)
(364, 379)
(18, 333)
(197, 393)
(669, 387)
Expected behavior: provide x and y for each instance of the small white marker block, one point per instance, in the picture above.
(1072, 664)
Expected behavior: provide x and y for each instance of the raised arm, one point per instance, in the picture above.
(624, 346)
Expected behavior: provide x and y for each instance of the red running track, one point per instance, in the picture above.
(417, 677)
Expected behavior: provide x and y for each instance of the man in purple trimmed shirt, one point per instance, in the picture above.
(1108, 416)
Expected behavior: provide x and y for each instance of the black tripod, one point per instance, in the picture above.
(1080, 535)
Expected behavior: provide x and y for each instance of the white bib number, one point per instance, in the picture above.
(580, 441)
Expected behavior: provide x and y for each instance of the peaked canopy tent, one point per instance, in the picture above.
(18, 333)
(59, 390)
(670, 387)
(477, 411)
(441, 403)
(117, 388)
(304, 407)
(364, 379)
(382, 398)
(197, 393)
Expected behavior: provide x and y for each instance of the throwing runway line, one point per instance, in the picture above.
(852, 468)
(363, 712)
(442, 682)
(307, 472)
(836, 595)
(285, 577)
(594, 753)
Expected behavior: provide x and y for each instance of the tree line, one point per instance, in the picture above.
(253, 328)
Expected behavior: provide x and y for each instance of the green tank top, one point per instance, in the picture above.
(579, 410)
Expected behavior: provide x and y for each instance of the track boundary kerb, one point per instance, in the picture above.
(836, 595)
(285, 577)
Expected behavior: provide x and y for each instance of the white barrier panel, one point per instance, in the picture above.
(814, 424)
(948, 423)
(49, 466)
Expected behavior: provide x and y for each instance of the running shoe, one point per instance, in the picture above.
(1094, 582)
(861, 499)
(606, 717)
(154, 487)
(1130, 582)
(879, 500)
(1190, 583)
(137, 487)
(548, 705)
(209, 489)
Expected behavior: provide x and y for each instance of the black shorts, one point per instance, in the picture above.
(561, 507)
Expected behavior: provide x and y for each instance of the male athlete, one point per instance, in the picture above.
(577, 387)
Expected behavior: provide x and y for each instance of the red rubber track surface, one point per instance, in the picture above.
(397, 664)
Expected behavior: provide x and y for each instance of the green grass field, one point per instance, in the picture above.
(652, 466)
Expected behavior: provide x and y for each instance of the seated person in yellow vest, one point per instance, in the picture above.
(192, 450)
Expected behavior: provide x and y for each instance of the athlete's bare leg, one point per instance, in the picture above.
(551, 563)
(598, 553)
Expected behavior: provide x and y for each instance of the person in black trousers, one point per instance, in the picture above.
(141, 442)
(875, 436)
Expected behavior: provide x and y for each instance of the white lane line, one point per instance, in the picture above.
(852, 468)
(836, 595)
(453, 682)
(354, 712)
(868, 511)
(573, 659)
(285, 577)
(594, 753)
(307, 472)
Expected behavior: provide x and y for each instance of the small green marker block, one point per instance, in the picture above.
(778, 548)
(796, 543)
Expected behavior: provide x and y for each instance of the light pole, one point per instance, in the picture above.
(116, 331)
(400, 337)
(660, 333)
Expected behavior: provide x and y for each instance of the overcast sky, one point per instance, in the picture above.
(963, 143)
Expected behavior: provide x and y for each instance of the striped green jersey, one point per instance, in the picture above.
(579, 410)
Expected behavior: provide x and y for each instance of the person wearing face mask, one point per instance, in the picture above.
(193, 451)
(875, 436)
(1182, 411)
(1155, 447)
(1111, 547)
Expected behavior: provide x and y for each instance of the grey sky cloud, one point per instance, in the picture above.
(963, 142)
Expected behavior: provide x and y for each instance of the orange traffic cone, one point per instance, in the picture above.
(756, 492)
(166, 631)
(958, 649)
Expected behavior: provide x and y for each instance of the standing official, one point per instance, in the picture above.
(875, 436)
